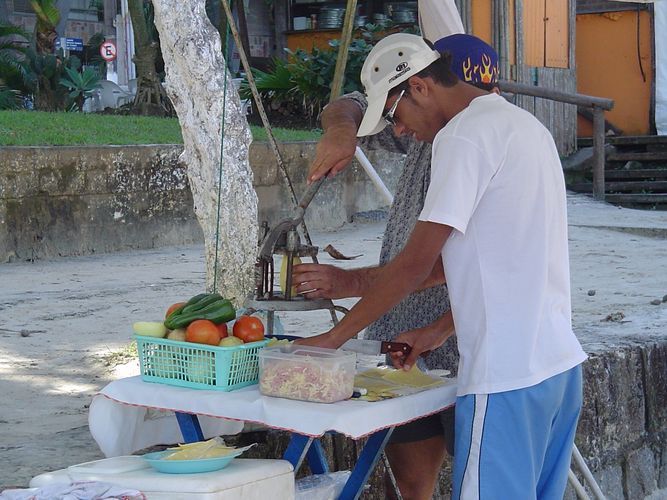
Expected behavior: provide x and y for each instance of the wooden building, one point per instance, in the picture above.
(535, 42)
(615, 59)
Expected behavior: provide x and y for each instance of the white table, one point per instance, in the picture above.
(306, 421)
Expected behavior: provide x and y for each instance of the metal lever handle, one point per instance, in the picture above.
(310, 193)
(266, 249)
(305, 201)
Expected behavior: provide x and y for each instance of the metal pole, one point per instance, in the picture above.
(598, 153)
(372, 173)
(392, 478)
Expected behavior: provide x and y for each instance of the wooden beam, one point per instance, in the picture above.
(518, 41)
(345, 39)
(243, 26)
(637, 198)
(657, 141)
(598, 155)
(622, 187)
(638, 156)
(556, 95)
(640, 173)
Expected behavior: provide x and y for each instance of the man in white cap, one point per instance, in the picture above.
(415, 450)
(495, 218)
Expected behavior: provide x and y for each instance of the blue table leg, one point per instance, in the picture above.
(303, 447)
(297, 449)
(367, 461)
(316, 459)
(190, 427)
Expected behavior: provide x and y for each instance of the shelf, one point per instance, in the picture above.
(324, 30)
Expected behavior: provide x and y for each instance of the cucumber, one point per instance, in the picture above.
(150, 329)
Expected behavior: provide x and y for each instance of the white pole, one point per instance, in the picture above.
(579, 460)
(578, 487)
(375, 178)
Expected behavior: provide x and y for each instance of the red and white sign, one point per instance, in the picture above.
(108, 51)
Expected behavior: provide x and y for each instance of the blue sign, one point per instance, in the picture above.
(71, 44)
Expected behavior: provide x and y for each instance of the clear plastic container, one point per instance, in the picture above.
(306, 373)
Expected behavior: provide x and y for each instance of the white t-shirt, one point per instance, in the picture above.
(496, 179)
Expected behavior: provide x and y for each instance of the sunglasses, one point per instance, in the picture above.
(389, 115)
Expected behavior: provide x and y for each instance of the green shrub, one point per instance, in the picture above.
(14, 80)
(302, 84)
(10, 98)
(80, 84)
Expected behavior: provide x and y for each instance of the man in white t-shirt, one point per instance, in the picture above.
(495, 219)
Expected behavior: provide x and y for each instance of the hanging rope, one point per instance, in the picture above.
(222, 148)
(260, 108)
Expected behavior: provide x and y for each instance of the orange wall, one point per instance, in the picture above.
(607, 66)
(311, 39)
(481, 20)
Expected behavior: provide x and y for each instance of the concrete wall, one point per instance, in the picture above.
(622, 431)
(61, 201)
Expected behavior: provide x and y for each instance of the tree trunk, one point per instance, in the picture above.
(151, 98)
(64, 6)
(196, 81)
(45, 41)
(4, 12)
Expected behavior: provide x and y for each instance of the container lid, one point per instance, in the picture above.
(113, 465)
(291, 351)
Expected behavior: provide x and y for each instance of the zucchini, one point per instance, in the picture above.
(150, 329)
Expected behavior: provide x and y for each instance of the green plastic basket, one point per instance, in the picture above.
(198, 366)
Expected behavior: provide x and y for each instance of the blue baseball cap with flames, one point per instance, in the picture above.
(473, 60)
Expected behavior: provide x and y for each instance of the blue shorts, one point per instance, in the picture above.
(517, 444)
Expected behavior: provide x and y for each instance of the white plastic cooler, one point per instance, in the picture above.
(250, 479)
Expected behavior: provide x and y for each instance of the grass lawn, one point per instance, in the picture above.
(34, 128)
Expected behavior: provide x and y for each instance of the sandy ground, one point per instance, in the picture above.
(65, 324)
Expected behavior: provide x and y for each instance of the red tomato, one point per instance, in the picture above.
(222, 330)
(248, 329)
(202, 331)
(172, 308)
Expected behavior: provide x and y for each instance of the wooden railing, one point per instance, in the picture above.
(597, 104)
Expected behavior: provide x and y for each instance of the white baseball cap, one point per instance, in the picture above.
(393, 60)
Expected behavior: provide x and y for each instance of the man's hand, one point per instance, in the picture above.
(423, 340)
(334, 152)
(317, 281)
(325, 340)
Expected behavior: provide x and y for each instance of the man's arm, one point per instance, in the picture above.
(403, 275)
(317, 281)
(340, 122)
(335, 150)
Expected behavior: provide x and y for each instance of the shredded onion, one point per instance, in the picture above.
(306, 381)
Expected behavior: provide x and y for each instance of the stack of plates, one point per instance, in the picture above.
(404, 16)
(330, 17)
(380, 19)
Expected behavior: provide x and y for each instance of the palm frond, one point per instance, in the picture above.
(10, 30)
(46, 11)
(10, 99)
